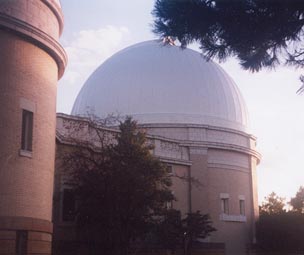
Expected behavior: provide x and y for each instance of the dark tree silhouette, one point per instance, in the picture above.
(120, 186)
(175, 232)
(297, 202)
(279, 230)
(273, 204)
(260, 33)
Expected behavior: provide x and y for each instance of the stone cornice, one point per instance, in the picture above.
(223, 146)
(188, 143)
(38, 37)
(57, 11)
(175, 161)
(228, 130)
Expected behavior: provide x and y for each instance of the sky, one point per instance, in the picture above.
(96, 29)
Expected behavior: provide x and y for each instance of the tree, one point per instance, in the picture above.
(120, 186)
(170, 231)
(273, 204)
(174, 231)
(260, 33)
(196, 226)
(297, 202)
(279, 230)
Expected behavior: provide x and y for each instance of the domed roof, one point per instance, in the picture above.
(157, 83)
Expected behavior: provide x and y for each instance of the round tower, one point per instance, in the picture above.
(31, 63)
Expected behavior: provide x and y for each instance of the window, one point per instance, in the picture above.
(242, 207)
(27, 130)
(21, 243)
(68, 205)
(169, 170)
(225, 205)
(169, 205)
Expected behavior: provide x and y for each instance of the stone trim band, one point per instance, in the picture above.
(25, 223)
(40, 38)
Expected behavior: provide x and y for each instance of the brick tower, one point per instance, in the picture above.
(31, 62)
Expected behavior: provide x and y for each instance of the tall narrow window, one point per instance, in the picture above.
(169, 170)
(27, 131)
(242, 207)
(21, 243)
(169, 205)
(225, 205)
(68, 205)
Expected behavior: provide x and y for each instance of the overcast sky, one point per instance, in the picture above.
(96, 29)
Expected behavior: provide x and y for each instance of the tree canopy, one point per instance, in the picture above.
(273, 204)
(260, 33)
(175, 232)
(297, 202)
(120, 188)
(279, 230)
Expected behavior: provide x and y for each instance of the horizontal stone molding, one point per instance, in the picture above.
(229, 167)
(233, 218)
(222, 146)
(175, 161)
(224, 195)
(38, 37)
(176, 125)
(57, 11)
(25, 223)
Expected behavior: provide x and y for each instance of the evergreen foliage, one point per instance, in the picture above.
(260, 33)
(120, 188)
(297, 202)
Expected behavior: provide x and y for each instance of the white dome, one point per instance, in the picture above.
(157, 83)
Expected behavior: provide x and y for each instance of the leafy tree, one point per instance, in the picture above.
(120, 187)
(196, 226)
(273, 204)
(176, 232)
(260, 33)
(170, 231)
(279, 230)
(297, 202)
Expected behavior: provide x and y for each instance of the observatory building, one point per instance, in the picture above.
(192, 111)
(195, 116)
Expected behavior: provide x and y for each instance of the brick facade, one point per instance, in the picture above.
(31, 62)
